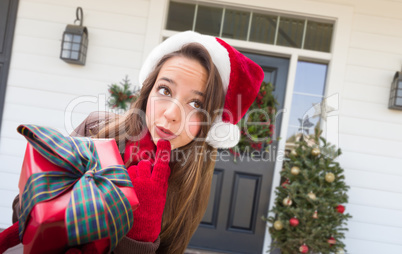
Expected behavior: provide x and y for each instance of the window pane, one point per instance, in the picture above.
(76, 46)
(236, 24)
(74, 55)
(68, 37)
(67, 45)
(318, 36)
(290, 32)
(399, 101)
(180, 16)
(263, 28)
(305, 111)
(208, 20)
(310, 78)
(77, 38)
(66, 53)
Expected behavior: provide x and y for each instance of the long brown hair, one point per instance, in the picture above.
(192, 166)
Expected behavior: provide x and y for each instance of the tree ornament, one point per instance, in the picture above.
(303, 248)
(329, 177)
(295, 170)
(278, 225)
(315, 215)
(293, 152)
(340, 208)
(315, 151)
(285, 183)
(312, 196)
(331, 241)
(294, 222)
(340, 251)
(287, 201)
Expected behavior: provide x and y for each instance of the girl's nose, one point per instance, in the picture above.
(173, 112)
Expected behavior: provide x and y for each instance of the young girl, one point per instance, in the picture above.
(195, 88)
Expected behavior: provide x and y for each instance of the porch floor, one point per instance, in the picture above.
(18, 250)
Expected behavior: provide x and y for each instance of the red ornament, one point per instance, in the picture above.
(331, 241)
(303, 248)
(294, 222)
(286, 182)
(340, 208)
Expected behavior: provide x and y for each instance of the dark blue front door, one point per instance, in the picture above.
(240, 191)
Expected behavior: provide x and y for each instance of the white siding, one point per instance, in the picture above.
(41, 86)
(370, 133)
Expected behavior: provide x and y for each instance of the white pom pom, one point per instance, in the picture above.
(223, 135)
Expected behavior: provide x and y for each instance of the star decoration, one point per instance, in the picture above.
(322, 109)
(305, 124)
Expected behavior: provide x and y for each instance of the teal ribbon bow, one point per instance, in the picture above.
(97, 207)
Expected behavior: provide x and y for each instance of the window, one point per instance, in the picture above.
(251, 25)
(307, 95)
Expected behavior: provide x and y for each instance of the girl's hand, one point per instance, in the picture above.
(9, 237)
(151, 188)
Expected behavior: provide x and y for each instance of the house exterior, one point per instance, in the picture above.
(364, 54)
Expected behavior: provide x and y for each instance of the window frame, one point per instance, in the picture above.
(252, 11)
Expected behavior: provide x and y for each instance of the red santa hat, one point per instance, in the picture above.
(241, 79)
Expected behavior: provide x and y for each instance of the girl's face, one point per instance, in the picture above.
(175, 104)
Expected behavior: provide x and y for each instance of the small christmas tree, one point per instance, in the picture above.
(309, 215)
(120, 95)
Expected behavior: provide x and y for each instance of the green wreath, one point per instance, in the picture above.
(257, 126)
(121, 96)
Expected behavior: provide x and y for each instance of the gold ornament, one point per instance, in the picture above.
(293, 152)
(278, 225)
(315, 152)
(330, 177)
(315, 215)
(287, 201)
(295, 170)
(311, 195)
(340, 251)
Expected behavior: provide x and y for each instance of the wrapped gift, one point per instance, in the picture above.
(73, 191)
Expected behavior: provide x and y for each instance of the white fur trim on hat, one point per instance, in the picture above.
(223, 135)
(218, 53)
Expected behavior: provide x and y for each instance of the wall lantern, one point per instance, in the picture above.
(395, 98)
(75, 41)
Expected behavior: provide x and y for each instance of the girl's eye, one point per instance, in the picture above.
(196, 104)
(164, 91)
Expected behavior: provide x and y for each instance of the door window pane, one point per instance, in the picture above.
(263, 28)
(318, 36)
(290, 32)
(236, 24)
(209, 20)
(180, 17)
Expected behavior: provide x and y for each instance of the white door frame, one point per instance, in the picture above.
(342, 16)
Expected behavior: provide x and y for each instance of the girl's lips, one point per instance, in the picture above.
(164, 133)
